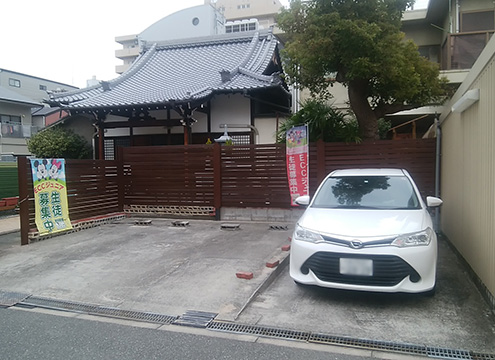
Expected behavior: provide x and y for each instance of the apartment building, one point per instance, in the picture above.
(213, 18)
(451, 33)
(20, 96)
(264, 11)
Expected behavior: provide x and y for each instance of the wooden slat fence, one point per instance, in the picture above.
(417, 156)
(92, 190)
(254, 176)
(214, 176)
(168, 175)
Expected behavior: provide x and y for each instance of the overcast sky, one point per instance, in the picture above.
(72, 41)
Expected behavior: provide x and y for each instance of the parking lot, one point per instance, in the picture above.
(170, 270)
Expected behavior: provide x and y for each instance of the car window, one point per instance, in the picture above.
(381, 192)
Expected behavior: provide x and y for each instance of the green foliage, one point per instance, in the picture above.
(358, 44)
(58, 142)
(324, 122)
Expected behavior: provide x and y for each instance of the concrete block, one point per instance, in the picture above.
(286, 248)
(244, 275)
(272, 263)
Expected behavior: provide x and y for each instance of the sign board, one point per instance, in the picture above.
(50, 194)
(297, 162)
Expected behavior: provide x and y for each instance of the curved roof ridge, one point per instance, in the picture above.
(136, 66)
(95, 90)
(210, 40)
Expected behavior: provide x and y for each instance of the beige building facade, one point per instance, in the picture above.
(468, 170)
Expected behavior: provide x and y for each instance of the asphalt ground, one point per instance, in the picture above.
(170, 270)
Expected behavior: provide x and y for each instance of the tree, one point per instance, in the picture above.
(57, 142)
(359, 44)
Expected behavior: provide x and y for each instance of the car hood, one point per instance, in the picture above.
(364, 223)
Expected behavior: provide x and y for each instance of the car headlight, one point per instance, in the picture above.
(422, 238)
(303, 234)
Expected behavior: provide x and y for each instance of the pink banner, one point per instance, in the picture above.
(297, 162)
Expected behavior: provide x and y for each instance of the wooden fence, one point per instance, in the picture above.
(211, 176)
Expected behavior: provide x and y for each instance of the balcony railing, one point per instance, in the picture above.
(18, 131)
(460, 51)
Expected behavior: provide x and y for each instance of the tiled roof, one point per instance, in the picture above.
(184, 72)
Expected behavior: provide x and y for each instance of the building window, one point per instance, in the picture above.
(43, 87)
(478, 21)
(10, 119)
(15, 82)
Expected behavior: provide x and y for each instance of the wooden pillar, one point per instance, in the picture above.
(101, 141)
(120, 178)
(23, 172)
(217, 179)
(186, 134)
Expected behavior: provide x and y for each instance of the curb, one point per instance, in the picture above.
(267, 282)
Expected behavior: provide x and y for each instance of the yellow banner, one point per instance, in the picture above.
(50, 193)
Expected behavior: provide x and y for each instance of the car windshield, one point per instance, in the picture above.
(371, 192)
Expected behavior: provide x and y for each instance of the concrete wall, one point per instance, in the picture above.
(468, 172)
(196, 21)
(30, 85)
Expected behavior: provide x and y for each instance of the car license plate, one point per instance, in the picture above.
(360, 267)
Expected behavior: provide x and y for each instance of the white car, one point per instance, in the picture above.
(368, 230)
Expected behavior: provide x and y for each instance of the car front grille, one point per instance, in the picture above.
(388, 270)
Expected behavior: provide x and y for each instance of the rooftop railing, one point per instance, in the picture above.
(460, 51)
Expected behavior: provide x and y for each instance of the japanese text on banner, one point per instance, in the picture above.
(297, 162)
(50, 194)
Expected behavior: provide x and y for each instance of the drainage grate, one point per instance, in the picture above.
(193, 318)
(368, 344)
(448, 353)
(476, 356)
(98, 310)
(409, 349)
(259, 330)
(11, 298)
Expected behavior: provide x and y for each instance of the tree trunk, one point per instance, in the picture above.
(366, 118)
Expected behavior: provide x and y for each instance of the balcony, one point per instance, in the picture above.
(18, 131)
(460, 51)
(127, 53)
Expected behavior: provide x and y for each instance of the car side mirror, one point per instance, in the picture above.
(432, 201)
(302, 200)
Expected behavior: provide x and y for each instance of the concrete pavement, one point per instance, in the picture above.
(157, 267)
(9, 224)
(166, 269)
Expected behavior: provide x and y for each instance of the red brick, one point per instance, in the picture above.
(272, 264)
(286, 248)
(244, 275)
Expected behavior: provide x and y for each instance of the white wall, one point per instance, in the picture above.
(230, 109)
